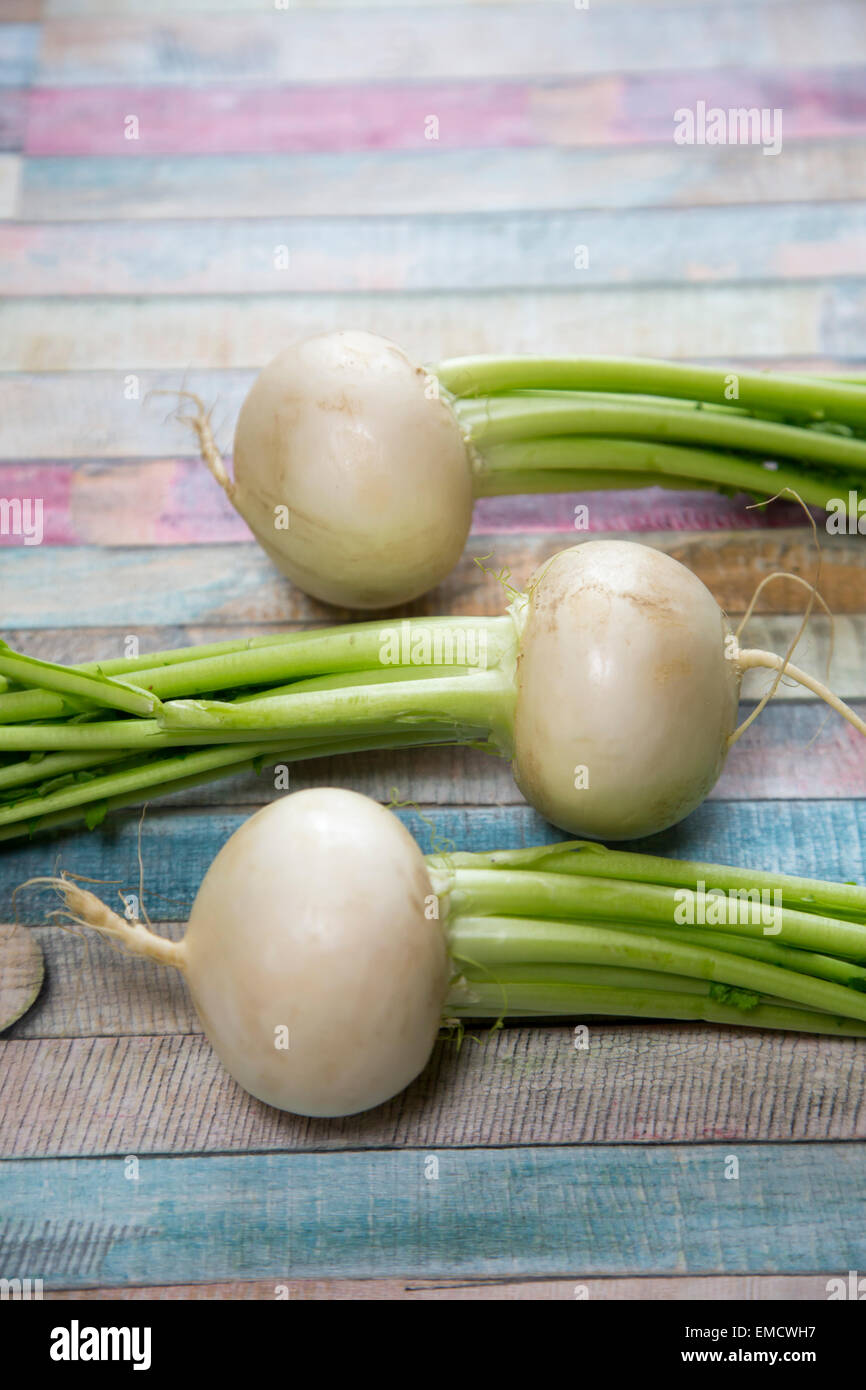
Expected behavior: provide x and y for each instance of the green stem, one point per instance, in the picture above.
(93, 690)
(842, 972)
(798, 397)
(299, 655)
(533, 893)
(478, 704)
(495, 941)
(536, 999)
(44, 767)
(510, 418)
(567, 464)
(122, 665)
(159, 776)
(587, 858)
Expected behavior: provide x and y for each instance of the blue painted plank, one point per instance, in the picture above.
(19, 44)
(820, 839)
(474, 252)
(529, 1211)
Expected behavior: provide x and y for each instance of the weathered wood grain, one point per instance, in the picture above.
(616, 1210)
(79, 1097)
(21, 972)
(731, 1288)
(473, 252)
(447, 181)
(133, 587)
(168, 501)
(614, 109)
(118, 334)
(376, 46)
(818, 839)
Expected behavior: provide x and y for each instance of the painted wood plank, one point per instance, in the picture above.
(673, 1083)
(748, 321)
(818, 839)
(736, 1288)
(58, 9)
(10, 175)
(452, 181)
(133, 586)
(620, 108)
(602, 1210)
(21, 972)
(245, 331)
(163, 502)
(12, 117)
(21, 11)
(463, 42)
(474, 252)
(18, 50)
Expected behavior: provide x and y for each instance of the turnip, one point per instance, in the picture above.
(323, 951)
(357, 470)
(612, 684)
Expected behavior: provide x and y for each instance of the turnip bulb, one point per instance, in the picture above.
(627, 691)
(313, 953)
(353, 477)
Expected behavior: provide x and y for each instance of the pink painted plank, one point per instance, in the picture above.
(166, 502)
(620, 109)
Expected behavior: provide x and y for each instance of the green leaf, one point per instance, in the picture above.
(734, 996)
(96, 814)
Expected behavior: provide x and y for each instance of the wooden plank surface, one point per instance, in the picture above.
(450, 181)
(502, 1211)
(472, 252)
(75, 1097)
(734, 1288)
(819, 318)
(617, 109)
(450, 41)
(131, 586)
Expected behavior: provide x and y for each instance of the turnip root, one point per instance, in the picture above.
(323, 951)
(355, 481)
(627, 691)
(356, 470)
